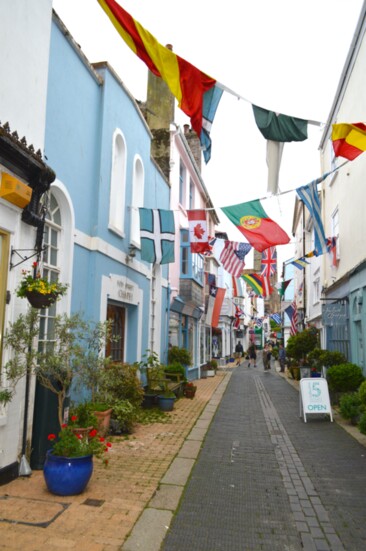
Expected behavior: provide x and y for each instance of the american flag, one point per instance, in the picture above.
(291, 311)
(269, 262)
(233, 255)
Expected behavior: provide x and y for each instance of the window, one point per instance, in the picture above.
(51, 269)
(137, 201)
(335, 230)
(182, 184)
(118, 185)
(191, 265)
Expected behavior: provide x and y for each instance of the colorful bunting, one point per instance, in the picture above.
(269, 262)
(253, 222)
(188, 84)
(291, 312)
(233, 255)
(215, 299)
(198, 237)
(349, 140)
(309, 196)
(300, 263)
(157, 233)
(255, 281)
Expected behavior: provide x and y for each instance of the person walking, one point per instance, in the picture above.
(282, 357)
(239, 350)
(265, 357)
(269, 354)
(252, 353)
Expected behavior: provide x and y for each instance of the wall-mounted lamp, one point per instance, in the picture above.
(131, 253)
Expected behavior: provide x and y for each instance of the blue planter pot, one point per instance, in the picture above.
(166, 404)
(315, 374)
(67, 476)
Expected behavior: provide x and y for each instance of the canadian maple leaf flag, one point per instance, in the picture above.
(198, 237)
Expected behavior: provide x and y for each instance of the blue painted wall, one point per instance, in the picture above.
(83, 112)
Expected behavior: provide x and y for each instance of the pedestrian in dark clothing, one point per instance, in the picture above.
(252, 353)
(239, 350)
(282, 357)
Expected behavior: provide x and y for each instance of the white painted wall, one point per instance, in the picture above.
(25, 27)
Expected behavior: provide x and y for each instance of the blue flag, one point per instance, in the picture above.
(309, 196)
(157, 232)
(211, 100)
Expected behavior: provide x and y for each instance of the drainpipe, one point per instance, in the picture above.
(169, 292)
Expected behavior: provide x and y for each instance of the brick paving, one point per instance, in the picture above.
(101, 518)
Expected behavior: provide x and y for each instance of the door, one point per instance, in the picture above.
(116, 348)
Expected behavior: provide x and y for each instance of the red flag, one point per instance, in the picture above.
(349, 140)
(198, 237)
(253, 222)
(215, 300)
(267, 289)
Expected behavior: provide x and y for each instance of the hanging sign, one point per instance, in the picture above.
(334, 314)
(314, 397)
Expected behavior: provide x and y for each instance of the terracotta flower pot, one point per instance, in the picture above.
(104, 419)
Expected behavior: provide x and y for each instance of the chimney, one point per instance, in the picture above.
(194, 144)
(159, 102)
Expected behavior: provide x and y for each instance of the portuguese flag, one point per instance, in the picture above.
(252, 221)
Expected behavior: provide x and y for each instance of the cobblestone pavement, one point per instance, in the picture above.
(265, 480)
(100, 519)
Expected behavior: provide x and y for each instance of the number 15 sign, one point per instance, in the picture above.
(314, 397)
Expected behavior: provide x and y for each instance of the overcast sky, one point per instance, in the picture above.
(283, 55)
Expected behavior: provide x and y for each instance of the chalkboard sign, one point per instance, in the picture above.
(314, 397)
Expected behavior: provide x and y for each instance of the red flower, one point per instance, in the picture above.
(109, 444)
(105, 449)
(64, 426)
(74, 418)
(51, 437)
(35, 264)
(93, 433)
(80, 436)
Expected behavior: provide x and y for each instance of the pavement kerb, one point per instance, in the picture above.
(150, 529)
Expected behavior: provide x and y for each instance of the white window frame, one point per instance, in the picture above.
(138, 187)
(117, 198)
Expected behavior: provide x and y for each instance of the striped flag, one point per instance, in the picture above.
(233, 255)
(198, 94)
(300, 263)
(215, 299)
(255, 281)
(276, 318)
(309, 196)
(291, 311)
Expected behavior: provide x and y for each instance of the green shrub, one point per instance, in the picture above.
(319, 358)
(299, 345)
(175, 368)
(120, 382)
(179, 355)
(345, 377)
(84, 415)
(124, 414)
(362, 393)
(362, 423)
(349, 405)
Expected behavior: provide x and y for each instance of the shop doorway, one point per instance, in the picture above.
(116, 348)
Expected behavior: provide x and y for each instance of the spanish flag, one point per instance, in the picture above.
(349, 140)
(188, 84)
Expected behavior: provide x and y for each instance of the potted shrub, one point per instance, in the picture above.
(297, 350)
(211, 367)
(166, 400)
(190, 390)
(69, 464)
(180, 356)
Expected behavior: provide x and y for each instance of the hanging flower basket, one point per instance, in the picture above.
(39, 292)
(39, 300)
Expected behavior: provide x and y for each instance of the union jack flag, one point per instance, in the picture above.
(269, 262)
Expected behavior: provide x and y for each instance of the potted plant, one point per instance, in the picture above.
(180, 356)
(297, 349)
(190, 390)
(211, 367)
(40, 292)
(166, 400)
(69, 464)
